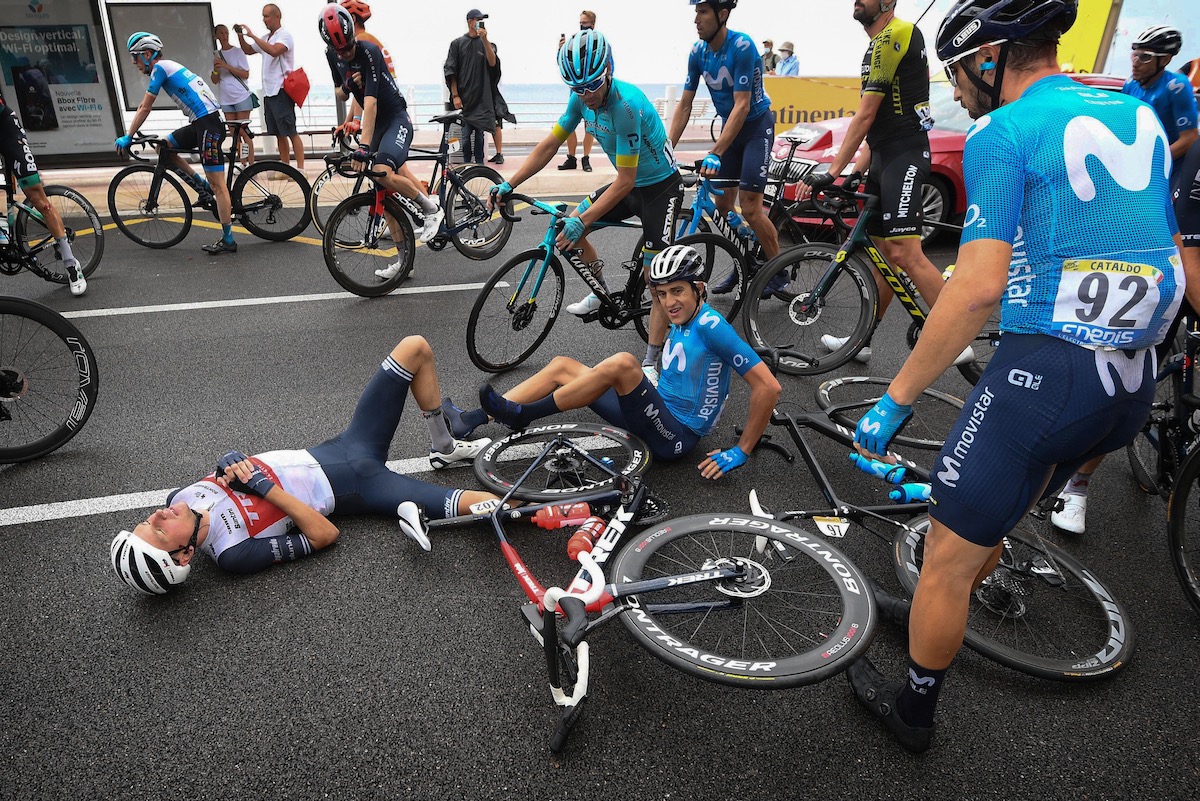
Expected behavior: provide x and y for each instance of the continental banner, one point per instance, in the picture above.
(797, 100)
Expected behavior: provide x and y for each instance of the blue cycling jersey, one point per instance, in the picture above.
(186, 88)
(629, 130)
(1076, 180)
(694, 372)
(736, 67)
(1172, 99)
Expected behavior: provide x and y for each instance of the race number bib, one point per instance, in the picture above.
(1106, 303)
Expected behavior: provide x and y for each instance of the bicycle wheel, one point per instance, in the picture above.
(984, 345)
(849, 398)
(354, 245)
(484, 233)
(724, 272)
(1153, 467)
(271, 200)
(328, 192)
(566, 471)
(844, 310)
(799, 614)
(512, 316)
(85, 233)
(159, 222)
(1183, 529)
(1040, 611)
(48, 380)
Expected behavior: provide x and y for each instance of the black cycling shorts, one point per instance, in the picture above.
(392, 141)
(748, 156)
(655, 205)
(899, 172)
(14, 148)
(204, 135)
(1187, 197)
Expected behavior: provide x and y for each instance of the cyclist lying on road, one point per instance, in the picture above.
(699, 351)
(243, 516)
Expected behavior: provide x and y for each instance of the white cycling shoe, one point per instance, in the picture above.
(413, 525)
(76, 280)
(588, 304)
(832, 343)
(461, 455)
(389, 272)
(433, 223)
(1074, 510)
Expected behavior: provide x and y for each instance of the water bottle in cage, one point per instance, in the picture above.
(583, 539)
(739, 224)
(910, 493)
(562, 515)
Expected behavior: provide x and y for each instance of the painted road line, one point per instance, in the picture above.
(225, 304)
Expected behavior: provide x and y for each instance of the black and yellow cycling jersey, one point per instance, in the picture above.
(895, 67)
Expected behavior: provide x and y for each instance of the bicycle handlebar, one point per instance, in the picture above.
(832, 200)
(142, 141)
(344, 166)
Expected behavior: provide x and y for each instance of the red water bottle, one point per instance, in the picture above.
(561, 515)
(583, 539)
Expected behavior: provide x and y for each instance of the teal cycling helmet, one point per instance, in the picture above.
(142, 41)
(584, 58)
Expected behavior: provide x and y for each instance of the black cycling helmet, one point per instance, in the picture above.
(676, 263)
(1161, 40)
(970, 24)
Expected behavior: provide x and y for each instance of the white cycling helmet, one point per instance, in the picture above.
(143, 567)
(676, 263)
(144, 42)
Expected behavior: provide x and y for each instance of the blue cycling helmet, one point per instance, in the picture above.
(584, 58)
(974, 23)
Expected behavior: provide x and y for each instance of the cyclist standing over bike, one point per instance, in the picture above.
(359, 70)
(630, 132)
(19, 165)
(1169, 93)
(731, 67)
(893, 117)
(205, 129)
(1085, 263)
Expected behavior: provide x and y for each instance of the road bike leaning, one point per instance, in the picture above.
(31, 246)
(149, 204)
(48, 380)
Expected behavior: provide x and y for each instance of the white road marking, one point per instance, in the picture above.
(40, 513)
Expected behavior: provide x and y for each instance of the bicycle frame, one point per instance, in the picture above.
(15, 256)
(1176, 426)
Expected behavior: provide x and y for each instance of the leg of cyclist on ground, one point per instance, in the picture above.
(36, 195)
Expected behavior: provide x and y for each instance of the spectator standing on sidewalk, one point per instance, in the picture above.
(278, 50)
(770, 58)
(231, 70)
(789, 65)
(587, 22)
(472, 69)
(502, 113)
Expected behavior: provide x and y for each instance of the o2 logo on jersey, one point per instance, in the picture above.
(974, 217)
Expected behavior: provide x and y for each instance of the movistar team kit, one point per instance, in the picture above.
(1172, 98)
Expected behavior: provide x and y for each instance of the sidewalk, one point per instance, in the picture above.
(93, 181)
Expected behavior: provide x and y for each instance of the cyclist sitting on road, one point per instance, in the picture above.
(1085, 264)
(18, 163)
(359, 70)
(691, 393)
(629, 130)
(258, 511)
(1168, 92)
(204, 132)
(894, 118)
(732, 69)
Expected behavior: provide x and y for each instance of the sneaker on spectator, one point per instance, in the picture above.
(461, 455)
(569, 164)
(832, 343)
(587, 163)
(496, 159)
(1074, 510)
(588, 304)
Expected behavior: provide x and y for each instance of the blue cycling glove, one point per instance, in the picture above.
(499, 192)
(573, 229)
(257, 484)
(877, 427)
(123, 142)
(711, 162)
(731, 459)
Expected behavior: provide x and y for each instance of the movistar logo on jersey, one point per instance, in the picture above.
(710, 319)
(673, 351)
(1131, 165)
(722, 80)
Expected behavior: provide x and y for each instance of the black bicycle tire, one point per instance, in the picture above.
(1153, 472)
(840, 410)
(554, 272)
(23, 221)
(129, 230)
(330, 249)
(506, 226)
(323, 180)
(708, 244)
(1186, 570)
(837, 636)
(853, 275)
(81, 357)
(488, 462)
(251, 224)
(1108, 655)
(641, 322)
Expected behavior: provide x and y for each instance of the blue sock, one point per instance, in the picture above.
(917, 699)
(227, 231)
(514, 415)
(462, 423)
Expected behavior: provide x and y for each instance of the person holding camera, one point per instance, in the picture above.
(231, 69)
(472, 68)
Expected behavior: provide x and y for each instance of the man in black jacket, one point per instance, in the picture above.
(471, 69)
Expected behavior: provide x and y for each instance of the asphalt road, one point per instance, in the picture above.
(375, 670)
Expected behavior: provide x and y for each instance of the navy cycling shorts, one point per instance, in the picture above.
(1042, 408)
(392, 141)
(644, 414)
(749, 154)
